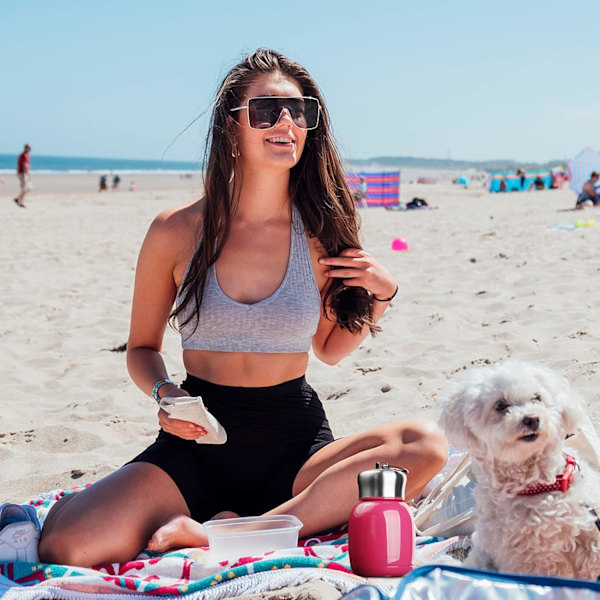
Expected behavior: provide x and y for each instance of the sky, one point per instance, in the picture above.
(463, 79)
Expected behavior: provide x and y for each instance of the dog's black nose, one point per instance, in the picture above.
(532, 422)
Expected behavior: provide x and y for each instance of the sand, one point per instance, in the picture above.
(484, 279)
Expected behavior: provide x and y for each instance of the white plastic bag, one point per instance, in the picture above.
(449, 508)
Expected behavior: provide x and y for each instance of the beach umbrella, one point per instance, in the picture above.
(581, 166)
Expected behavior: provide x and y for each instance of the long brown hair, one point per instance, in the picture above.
(317, 187)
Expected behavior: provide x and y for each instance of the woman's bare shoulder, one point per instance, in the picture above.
(178, 218)
(178, 224)
(174, 233)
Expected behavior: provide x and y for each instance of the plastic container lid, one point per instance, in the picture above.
(250, 536)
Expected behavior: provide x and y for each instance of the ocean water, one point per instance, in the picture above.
(77, 164)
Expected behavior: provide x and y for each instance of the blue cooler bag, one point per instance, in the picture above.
(441, 582)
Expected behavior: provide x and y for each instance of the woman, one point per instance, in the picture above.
(265, 265)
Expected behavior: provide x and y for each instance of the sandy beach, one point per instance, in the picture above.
(486, 277)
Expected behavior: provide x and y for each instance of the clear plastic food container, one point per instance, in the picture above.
(251, 536)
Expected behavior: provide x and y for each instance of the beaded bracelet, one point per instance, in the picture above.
(386, 299)
(157, 387)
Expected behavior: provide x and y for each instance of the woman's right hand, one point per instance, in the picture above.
(183, 429)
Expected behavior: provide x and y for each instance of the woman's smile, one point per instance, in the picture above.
(282, 141)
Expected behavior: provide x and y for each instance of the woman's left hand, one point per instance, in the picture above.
(357, 268)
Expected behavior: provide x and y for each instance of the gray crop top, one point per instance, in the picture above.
(285, 321)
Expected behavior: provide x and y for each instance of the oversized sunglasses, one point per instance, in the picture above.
(265, 111)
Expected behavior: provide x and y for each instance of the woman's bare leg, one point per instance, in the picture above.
(112, 520)
(326, 489)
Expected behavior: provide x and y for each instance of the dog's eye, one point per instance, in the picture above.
(501, 406)
(536, 398)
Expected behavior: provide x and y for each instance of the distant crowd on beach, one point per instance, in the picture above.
(104, 183)
(520, 180)
(588, 197)
(116, 180)
(26, 185)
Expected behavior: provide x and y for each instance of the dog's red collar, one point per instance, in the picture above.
(562, 483)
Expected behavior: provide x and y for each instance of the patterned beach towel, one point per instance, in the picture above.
(191, 574)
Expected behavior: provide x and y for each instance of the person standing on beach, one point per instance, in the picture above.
(265, 266)
(521, 174)
(23, 173)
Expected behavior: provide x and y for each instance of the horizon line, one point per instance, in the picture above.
(386, 158)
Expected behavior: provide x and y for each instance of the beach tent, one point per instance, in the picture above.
(513, 181)
(581, 166)
(463, 180)
(383, 188)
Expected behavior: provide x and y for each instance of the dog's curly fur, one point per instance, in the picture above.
(513, 418)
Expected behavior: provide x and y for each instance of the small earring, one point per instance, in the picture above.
(235, 151)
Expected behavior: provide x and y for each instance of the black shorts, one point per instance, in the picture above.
(271, 433)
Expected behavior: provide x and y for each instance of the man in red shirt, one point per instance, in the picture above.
(23, 168)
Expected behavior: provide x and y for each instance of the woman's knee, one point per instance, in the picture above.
(423, 450)
(423, 442)
(434, 445)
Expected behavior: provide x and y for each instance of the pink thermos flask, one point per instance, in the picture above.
(381, 529)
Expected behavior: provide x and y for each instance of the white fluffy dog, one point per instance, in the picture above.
(535, 504)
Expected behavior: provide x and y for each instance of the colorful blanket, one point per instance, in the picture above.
(190, 573)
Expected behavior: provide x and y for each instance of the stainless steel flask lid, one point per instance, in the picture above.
(382, 482)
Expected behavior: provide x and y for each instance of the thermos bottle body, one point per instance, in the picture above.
(381, 530)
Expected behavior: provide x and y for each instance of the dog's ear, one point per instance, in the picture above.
(572, 412)
(455, 418)
(564, 397)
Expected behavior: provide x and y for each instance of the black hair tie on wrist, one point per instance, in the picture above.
(386, 299)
